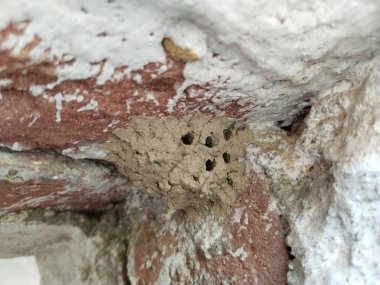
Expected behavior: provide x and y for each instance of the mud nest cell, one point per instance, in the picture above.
(191, 165)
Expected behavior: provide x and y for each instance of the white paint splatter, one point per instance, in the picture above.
(58, 107)
(37, 90)
(106, 74)
(128, 103)
(237, 215)
(162, 69)
(5, 82)
(241, 253)
(137, 78)
(59, 98)
(151, 98)
(36, 116)
(16, 146)
(92, 105)
(114, 122)
(246, 221)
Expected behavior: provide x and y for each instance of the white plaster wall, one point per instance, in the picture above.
(337, 235)
(272, 54)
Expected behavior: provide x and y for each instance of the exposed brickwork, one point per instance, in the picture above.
(251, 249)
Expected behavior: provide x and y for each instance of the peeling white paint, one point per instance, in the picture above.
(270, 74)
(60, 98)
(110, 125)
(137, 78)
(246, 220)
(151, 98)
(128, 104)
(238, 212)
(16, 146)
(5, 82)
(58, 107)
(163, 68)
(92, 105)
(37, 90)
(35, 116)
(106, 74)
(241, 253)
(127, 25)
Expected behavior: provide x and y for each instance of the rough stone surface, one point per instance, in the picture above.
(72, 72)
(338, 225)
(321, 189)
